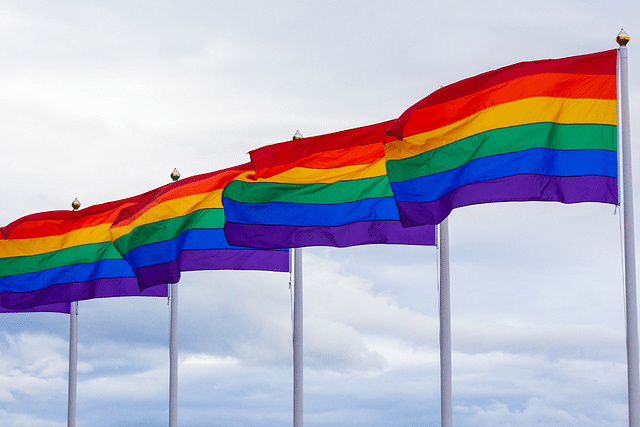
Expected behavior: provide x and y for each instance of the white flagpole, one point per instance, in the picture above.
(445, 325)
(173, 357)
(297, 338)
(629, 238)
(73, 364)
(73, 352)
(297, 330)
(173, 342)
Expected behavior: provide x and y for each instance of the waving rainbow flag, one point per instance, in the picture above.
(542, 130)
(178, 227)
(52, 258)
(328, 190)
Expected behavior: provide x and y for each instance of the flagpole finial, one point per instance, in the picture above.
(297, 135)
(623, 38)
(175, 175)
(75, 204)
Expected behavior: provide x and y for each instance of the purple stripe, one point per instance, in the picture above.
(516, 188)
(214, 259)
(78, 291)
(61, 307)
(354, 234)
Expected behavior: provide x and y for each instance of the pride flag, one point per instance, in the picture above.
(542, 130)
(327, 190)
(63, 256)
(178, 227)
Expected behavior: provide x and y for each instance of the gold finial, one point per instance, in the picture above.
(297, 135)
(175, 175)
(623, 38)
(75, 204)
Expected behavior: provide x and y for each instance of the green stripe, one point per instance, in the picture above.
(320, 194)
(501, 141)
(76, 255)
(169, 228)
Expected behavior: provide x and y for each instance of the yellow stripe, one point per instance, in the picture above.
(301, 175)
(524, 111)
(172, 209)
(42, 245)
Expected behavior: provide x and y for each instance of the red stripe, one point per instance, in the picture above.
(277, 158)
(364, 155)
(600, 63)
(54, 223)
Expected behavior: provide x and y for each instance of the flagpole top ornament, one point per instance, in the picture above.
(623, 38)
(297, 135)
(75, 204)
(175, 175)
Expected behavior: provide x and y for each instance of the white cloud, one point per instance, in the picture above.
(11, 419)
(137, 386)
(535, 413)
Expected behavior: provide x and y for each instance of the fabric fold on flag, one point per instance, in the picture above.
(179, 227)
(534, 131)
(64, 256)
(327, 190)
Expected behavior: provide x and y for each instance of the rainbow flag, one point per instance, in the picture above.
(542, 130)
(63, 256)
(328, 190)
(178, 227)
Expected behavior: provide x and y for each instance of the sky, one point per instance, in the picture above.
(100, 100)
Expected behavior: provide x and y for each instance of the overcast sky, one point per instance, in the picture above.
(100, 100)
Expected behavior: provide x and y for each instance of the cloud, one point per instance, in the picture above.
(11, 419)
(536, 412)
(33, 378)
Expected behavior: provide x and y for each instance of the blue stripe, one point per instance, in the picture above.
(536, 161)
(110, 268)
(311, 215)
(169, 250)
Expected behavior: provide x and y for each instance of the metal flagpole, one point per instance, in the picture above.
(445, 325)
(629, 238)
(297, 338)
(297, 331)
(73, 352)
(173, 357)
(173, 343)
(73, 364)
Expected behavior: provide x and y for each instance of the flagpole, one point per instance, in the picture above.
(173, 342)
(297, 331)
(297, 339)
(173, 357)
(73, 364)
(631, 307)
(73, 352)
(445, 325)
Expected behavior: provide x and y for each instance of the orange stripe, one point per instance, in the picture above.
(36, 228)
(200, 184)
(280, 157)
(330, 159)
(557, 85)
